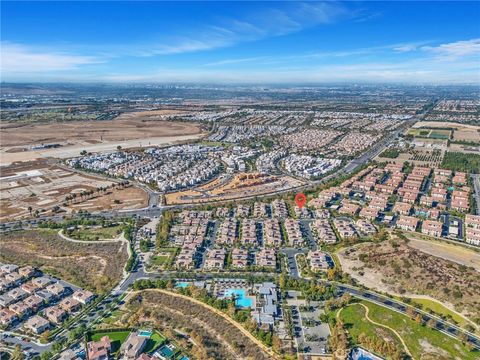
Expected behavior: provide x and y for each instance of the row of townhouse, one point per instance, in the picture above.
(40, 295)
(294, 233)
(249, 232)
(272, 233)
(472, 229)
(323, 231)
(317, 260)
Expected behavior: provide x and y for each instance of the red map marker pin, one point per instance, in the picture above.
(300, 199)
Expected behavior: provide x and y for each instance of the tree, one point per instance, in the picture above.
(119, 148)
(17, 353)
(419, 319)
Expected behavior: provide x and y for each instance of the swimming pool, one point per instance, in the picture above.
(166, 351)
(145, 333)
(182, 284)
(241, 300)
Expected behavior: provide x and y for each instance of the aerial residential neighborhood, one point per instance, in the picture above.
(226, 180)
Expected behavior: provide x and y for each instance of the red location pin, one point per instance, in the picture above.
(300, 199)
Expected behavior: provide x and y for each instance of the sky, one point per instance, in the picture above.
(270, 42)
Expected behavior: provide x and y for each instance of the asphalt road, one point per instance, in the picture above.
(476, 185)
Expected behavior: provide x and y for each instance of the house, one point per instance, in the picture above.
(69, 304)
(37, 324)
(27, 272)
(7, 317)
(318, 260)
(83, 296)
(133, 346)
(266, 258)
(42, 281)
(402, 208)
(239, 258)
(408, 223)
(33, 302)
(215, 259)
(99, 350)
(55, 314)
(472, 229)
(20, 309)
(56, 289)
(432, 228)
(369, 213)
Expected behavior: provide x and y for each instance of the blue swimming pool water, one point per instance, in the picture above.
(240, 301)
(145, 333)
(165, 351)
(182, 284)
(184, 358)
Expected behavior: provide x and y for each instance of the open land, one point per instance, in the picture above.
(421, 341)
(131, 130)
(94, 266)
(41, 185)
(401, 269)
(462, 132)
(215, 336)
(240, 186)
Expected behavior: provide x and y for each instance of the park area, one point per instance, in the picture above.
(381, 330)
(414, 271)
(94, 266)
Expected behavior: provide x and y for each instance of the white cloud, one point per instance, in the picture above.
(455, 50)
(16, 58)
(226, 32)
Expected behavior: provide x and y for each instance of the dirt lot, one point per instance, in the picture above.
(239, 186)
(399, 268)
(42, 185)
(128, 130)
(97, 267)
(127, 126)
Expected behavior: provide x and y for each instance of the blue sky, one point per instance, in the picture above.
(241, 42)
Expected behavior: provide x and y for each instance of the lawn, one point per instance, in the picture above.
(101, 233)
(159, 259)
(117, 338)
(438, 308)
(355, 322)
(420, 340)
(155, 341)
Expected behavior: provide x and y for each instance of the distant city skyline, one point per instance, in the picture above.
(249, 42)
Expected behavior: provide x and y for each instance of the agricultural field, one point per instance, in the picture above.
(461, 162)
(26, 188)
(442, 134)
(239, 186)
(97, 267)
(401, 269)
(421, 341)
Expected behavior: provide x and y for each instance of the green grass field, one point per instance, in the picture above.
(439, 309)
(355, 322)
(117, 338)
(159, 259)
(421, 340)
(155, 341)
(102, 233)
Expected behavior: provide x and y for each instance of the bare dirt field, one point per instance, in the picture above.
(239, 186)
(445, 250)
(94, 266)
(40, 185)
(128, 130)
(401, 269)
